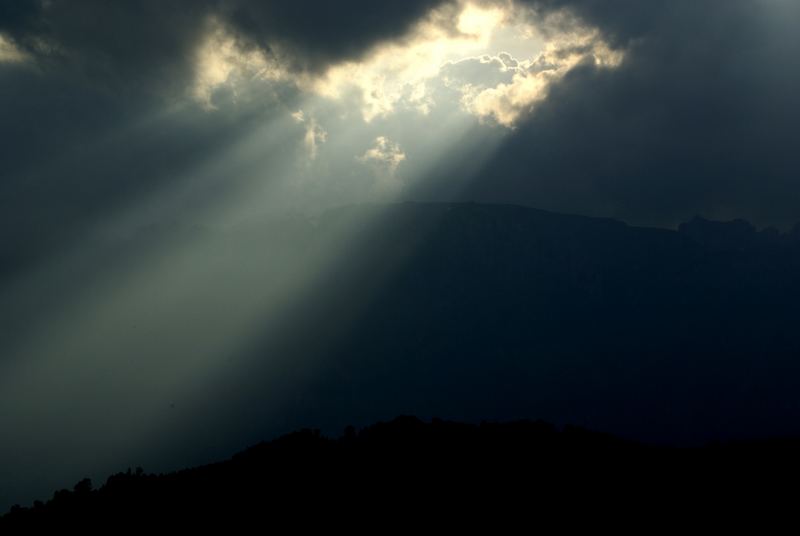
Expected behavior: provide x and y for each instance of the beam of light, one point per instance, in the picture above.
(9, 52)
(122, 366)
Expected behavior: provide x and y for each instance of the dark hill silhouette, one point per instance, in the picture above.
(414, 469)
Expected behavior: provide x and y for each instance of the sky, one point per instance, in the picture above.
(121, 118)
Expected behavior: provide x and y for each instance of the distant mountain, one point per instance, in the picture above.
(412, 470)
(476, 311)
(471, 312)
(738, 235)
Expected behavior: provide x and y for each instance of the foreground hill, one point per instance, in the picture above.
(409, 469)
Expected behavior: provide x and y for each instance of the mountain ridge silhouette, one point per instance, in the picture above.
(380, 460)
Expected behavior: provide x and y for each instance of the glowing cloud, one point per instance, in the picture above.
(397, 73)
(495, 61)
(402, 75)
(531, 80)
(385, 155)
(222, 61)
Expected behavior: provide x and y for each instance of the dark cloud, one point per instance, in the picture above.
(621, 20)
(148, 41)
(701, 118)
(18, 16)
(317, 32)
(123, 45)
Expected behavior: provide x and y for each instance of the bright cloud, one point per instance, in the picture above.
(396, 74)
(496, 60)
(530, 80)
(385, 155)
(222, 61)
(402, 75)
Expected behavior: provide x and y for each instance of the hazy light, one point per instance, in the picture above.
(9, 53)
(386, 154)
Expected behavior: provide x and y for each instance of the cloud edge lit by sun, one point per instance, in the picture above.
(402, 74)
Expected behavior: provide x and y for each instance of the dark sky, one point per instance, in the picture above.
(150, 123)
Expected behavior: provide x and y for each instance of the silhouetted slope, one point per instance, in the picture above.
(400, 466)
